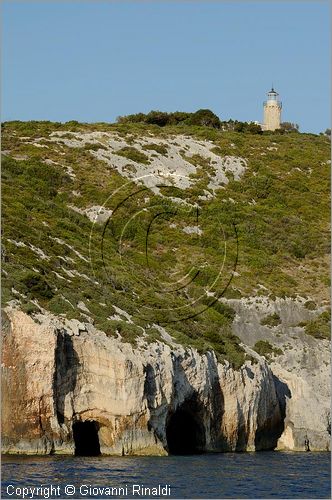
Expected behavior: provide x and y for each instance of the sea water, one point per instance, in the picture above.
(224, 475)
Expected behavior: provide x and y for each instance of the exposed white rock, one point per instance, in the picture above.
(229, 164)
(70, 171)
(302, 371)
(20, 157)
(48, 161)
(36, 250)
(60, 276)
(123, 313)
(39, 252)
(192, 230)
(164, 334)
(19, 294)
(95, 213)
(61, 242)
(17, 243)
(173, 168)
(83, 307)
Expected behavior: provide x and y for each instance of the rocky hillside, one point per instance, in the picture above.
(192, 260)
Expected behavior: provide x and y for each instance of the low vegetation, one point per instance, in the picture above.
(271, 320)
(158, 148)
(133, 154)
(274, 220)
(320, 327)
(264, 348)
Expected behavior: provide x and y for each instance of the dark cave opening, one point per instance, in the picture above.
(185, 435)
(86, 438)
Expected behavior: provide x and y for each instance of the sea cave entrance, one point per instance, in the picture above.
(185, 434)
(86, 438)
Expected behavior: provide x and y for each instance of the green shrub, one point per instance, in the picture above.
(271, 320)
(229, 348)
(205, 118)
(159, 148)
(320, 327)
(202, 117)
(37, 286)
(152, 335)
(30, 308)
(310, 304)
(223, 309)
(58, 305)
(264, 348)
(251, 128)
(217, 151)
(128, 331)
(133, 154)
(94, 147)
(232, 293)
(107, 326)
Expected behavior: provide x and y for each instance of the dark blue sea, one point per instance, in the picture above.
(227, 475)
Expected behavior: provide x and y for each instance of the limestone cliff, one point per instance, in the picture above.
(301, 370)
(220, 237)
(58, 374)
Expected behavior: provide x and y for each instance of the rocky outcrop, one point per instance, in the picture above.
(67, 385)
(302, 370)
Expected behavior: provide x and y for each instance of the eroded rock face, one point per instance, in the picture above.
(302, 370)
(57, 373)
(27, 379)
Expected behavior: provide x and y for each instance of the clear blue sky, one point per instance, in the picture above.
(93, 60)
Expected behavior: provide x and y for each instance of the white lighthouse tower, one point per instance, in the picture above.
(272, 111)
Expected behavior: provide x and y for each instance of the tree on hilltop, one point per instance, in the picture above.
(289, 127)
(202, 117)
(205, 118)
